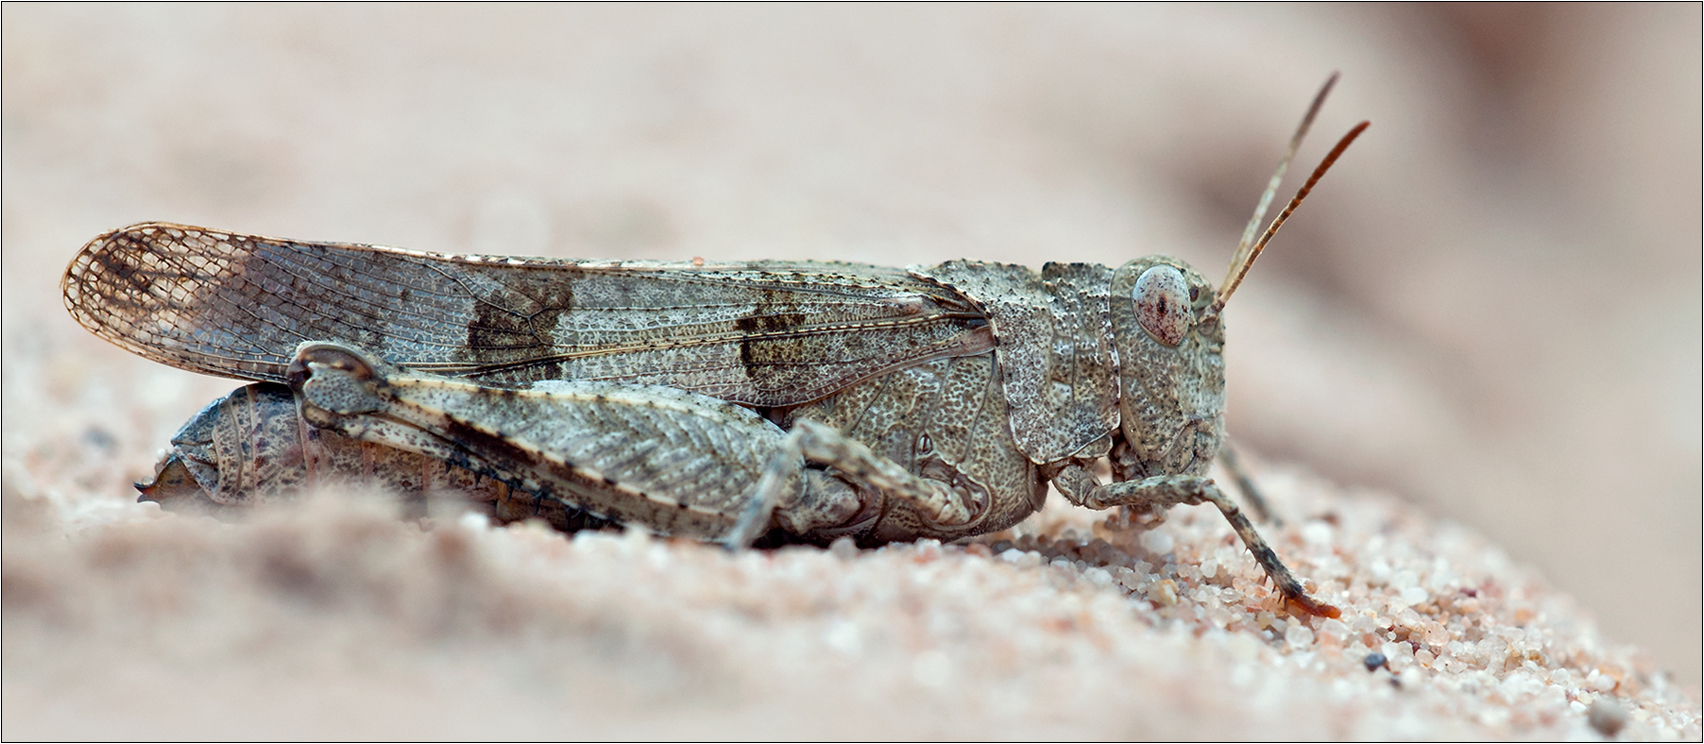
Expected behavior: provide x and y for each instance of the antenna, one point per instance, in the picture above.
(1248, 249)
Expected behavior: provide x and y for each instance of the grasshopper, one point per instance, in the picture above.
(764, 401)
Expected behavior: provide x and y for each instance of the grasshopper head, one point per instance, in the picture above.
(1171, 365)
(1166, 324)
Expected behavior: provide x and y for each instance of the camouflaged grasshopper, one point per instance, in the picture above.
(774, 401)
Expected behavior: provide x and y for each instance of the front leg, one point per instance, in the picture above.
(1164, 491)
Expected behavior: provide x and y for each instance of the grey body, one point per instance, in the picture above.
(918, 364)
(802, 401)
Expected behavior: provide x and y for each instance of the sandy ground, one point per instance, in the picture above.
(1486, 321)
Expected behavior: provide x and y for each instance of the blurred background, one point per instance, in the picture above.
(1490, 307)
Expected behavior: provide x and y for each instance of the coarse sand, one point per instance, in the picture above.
(333, 618)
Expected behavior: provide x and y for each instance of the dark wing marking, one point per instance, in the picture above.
(765, 333)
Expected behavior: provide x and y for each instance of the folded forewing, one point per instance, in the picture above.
(764, 333)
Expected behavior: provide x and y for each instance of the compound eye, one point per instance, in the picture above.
(1162, 304)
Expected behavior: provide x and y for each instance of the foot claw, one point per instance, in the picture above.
(1311, 606)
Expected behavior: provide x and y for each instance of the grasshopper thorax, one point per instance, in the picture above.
(1171, 366)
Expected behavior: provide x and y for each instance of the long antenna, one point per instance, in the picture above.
(1248, 249)
(1241, 254)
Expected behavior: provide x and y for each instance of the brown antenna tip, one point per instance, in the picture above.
(1240, 267)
